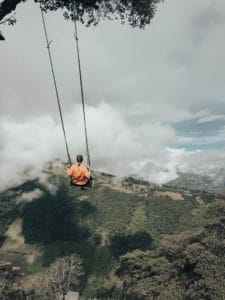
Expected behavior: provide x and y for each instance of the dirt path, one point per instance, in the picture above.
(173, 195)
(14, 237)
(15, 243)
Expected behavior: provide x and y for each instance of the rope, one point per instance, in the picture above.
(82, 90)
(55, 85)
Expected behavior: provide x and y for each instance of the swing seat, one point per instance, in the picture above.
(89, 184)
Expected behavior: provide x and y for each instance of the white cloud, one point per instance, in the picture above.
(204, 162)
(137, 84)
(115, 147)
(169, 71)
(29, 196)
(25, 147)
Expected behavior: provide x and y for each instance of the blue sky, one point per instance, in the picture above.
(197, 135)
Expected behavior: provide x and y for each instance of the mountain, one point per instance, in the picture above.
(214, 182)
(44, 219)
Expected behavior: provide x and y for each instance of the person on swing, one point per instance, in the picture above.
(80, 174)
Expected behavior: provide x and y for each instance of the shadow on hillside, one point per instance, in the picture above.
(55, 218)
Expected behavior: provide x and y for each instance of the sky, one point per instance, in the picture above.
(154, 97)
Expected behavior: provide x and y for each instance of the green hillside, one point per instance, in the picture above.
(115, 217)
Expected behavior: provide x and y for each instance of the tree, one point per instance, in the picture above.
(134, 12)
(186, 266)
(121, 243)
(146, 276)
(62, 276)
(10, 281)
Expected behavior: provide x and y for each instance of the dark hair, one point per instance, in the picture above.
(79, 158)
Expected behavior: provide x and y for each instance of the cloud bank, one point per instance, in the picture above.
(155, 97)
(115, 147)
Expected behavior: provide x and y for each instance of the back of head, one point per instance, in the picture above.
(80, 158)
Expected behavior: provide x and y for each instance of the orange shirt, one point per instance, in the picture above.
(80, 174)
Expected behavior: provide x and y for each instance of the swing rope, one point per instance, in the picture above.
(55, 85)
(56, 88)
(82, 90)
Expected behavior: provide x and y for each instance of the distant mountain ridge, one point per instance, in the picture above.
(215, 182)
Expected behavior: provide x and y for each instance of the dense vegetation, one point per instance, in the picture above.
(188, 266)
(121, 243)
(132, 243)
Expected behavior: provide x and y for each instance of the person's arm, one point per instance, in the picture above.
(87, 172)
(69, 170)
